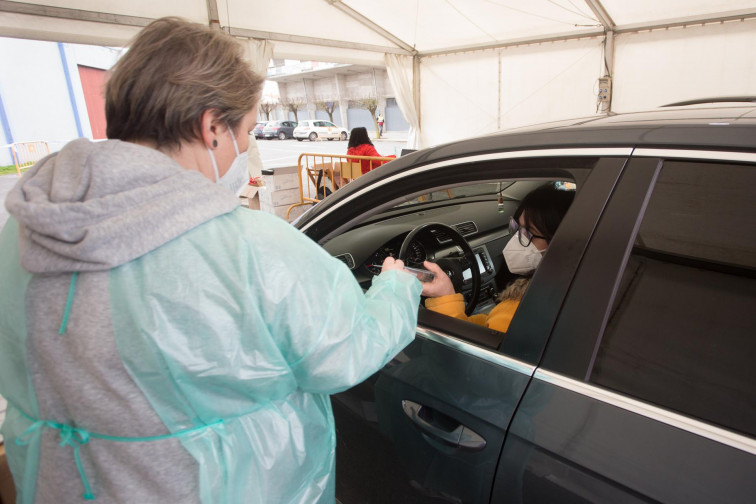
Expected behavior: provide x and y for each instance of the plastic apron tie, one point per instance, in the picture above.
(75, 437)
(69, 436)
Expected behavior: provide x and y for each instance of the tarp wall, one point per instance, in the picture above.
(666, 66)
(476, 93)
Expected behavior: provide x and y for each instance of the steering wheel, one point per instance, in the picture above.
(452, 266)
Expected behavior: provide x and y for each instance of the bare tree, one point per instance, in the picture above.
(293, 105)
(370, 104)
(268, 106)
(326, 104)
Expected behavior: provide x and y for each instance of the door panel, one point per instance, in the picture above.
(565, 446)
(456, 393)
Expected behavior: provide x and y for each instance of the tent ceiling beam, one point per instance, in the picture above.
(338, 4)
(400, 46)
(601, 14)
(73, 14)
(298, 39)
(591, 32)
(718, 17)
(617, 29)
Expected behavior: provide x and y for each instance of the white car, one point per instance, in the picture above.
(314, 129)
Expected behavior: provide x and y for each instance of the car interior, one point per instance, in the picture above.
(464, 229)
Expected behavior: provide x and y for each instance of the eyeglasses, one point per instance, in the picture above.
(525, 236)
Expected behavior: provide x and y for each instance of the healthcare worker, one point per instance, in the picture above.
(158, 342)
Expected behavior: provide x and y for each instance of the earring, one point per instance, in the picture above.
(215, 143)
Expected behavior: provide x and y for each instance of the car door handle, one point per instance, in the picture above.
(455, 435)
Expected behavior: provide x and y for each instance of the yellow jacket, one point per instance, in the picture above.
(454, 306)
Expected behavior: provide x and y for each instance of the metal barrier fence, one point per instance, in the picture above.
(25, 154)
(322, 174)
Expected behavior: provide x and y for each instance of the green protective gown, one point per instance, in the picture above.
(160, 344)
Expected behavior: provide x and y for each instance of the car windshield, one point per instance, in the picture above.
(485, 189)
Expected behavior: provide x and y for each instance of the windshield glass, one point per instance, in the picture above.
(492, 189)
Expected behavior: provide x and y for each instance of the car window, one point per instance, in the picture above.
(480, 212)
(682, 331)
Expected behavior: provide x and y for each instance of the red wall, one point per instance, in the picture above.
(93, 83)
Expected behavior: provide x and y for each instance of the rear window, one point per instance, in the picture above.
(682, 331)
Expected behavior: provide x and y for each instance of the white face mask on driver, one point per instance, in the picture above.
(521, 260)
(237, 174)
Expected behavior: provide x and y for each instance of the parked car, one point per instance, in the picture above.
(279, 129)
(627, 373)
(312, 130)
(258, 129)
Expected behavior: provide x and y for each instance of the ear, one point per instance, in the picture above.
(211, 127)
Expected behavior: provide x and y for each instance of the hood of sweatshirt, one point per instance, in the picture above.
(97, 205)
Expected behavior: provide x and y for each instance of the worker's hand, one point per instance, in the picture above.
(441, 284)
(392, 264)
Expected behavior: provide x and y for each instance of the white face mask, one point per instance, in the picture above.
(237, 175)
(521, 260)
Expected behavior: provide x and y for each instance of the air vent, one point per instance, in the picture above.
(463, 228)
(346, 259)
(466, 228)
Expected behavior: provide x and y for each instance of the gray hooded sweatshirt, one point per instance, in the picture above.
(154, 334)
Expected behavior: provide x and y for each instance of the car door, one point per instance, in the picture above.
(645, 392)
(430, 426)
(332, 130)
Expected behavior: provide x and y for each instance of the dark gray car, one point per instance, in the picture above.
(627, 373)
(279, 129)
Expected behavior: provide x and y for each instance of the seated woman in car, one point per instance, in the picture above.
(532, 227)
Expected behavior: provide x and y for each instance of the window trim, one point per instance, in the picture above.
(745, 157)
(718, 434)
(466, 347)
(537, 153)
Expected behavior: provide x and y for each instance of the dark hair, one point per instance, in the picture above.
(544, 209)
(173, 72)
(358, 136)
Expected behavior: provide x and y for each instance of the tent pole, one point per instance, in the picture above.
(213, 21)
(416, 90)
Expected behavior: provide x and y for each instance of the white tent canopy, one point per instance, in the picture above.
(467, 67)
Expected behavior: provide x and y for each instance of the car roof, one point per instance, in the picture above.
(689, 127)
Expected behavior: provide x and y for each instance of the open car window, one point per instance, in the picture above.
(480, 214)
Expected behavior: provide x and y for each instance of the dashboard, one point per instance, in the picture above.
(482, 221)
(415, 254)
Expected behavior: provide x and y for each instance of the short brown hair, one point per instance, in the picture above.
(173, 72)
